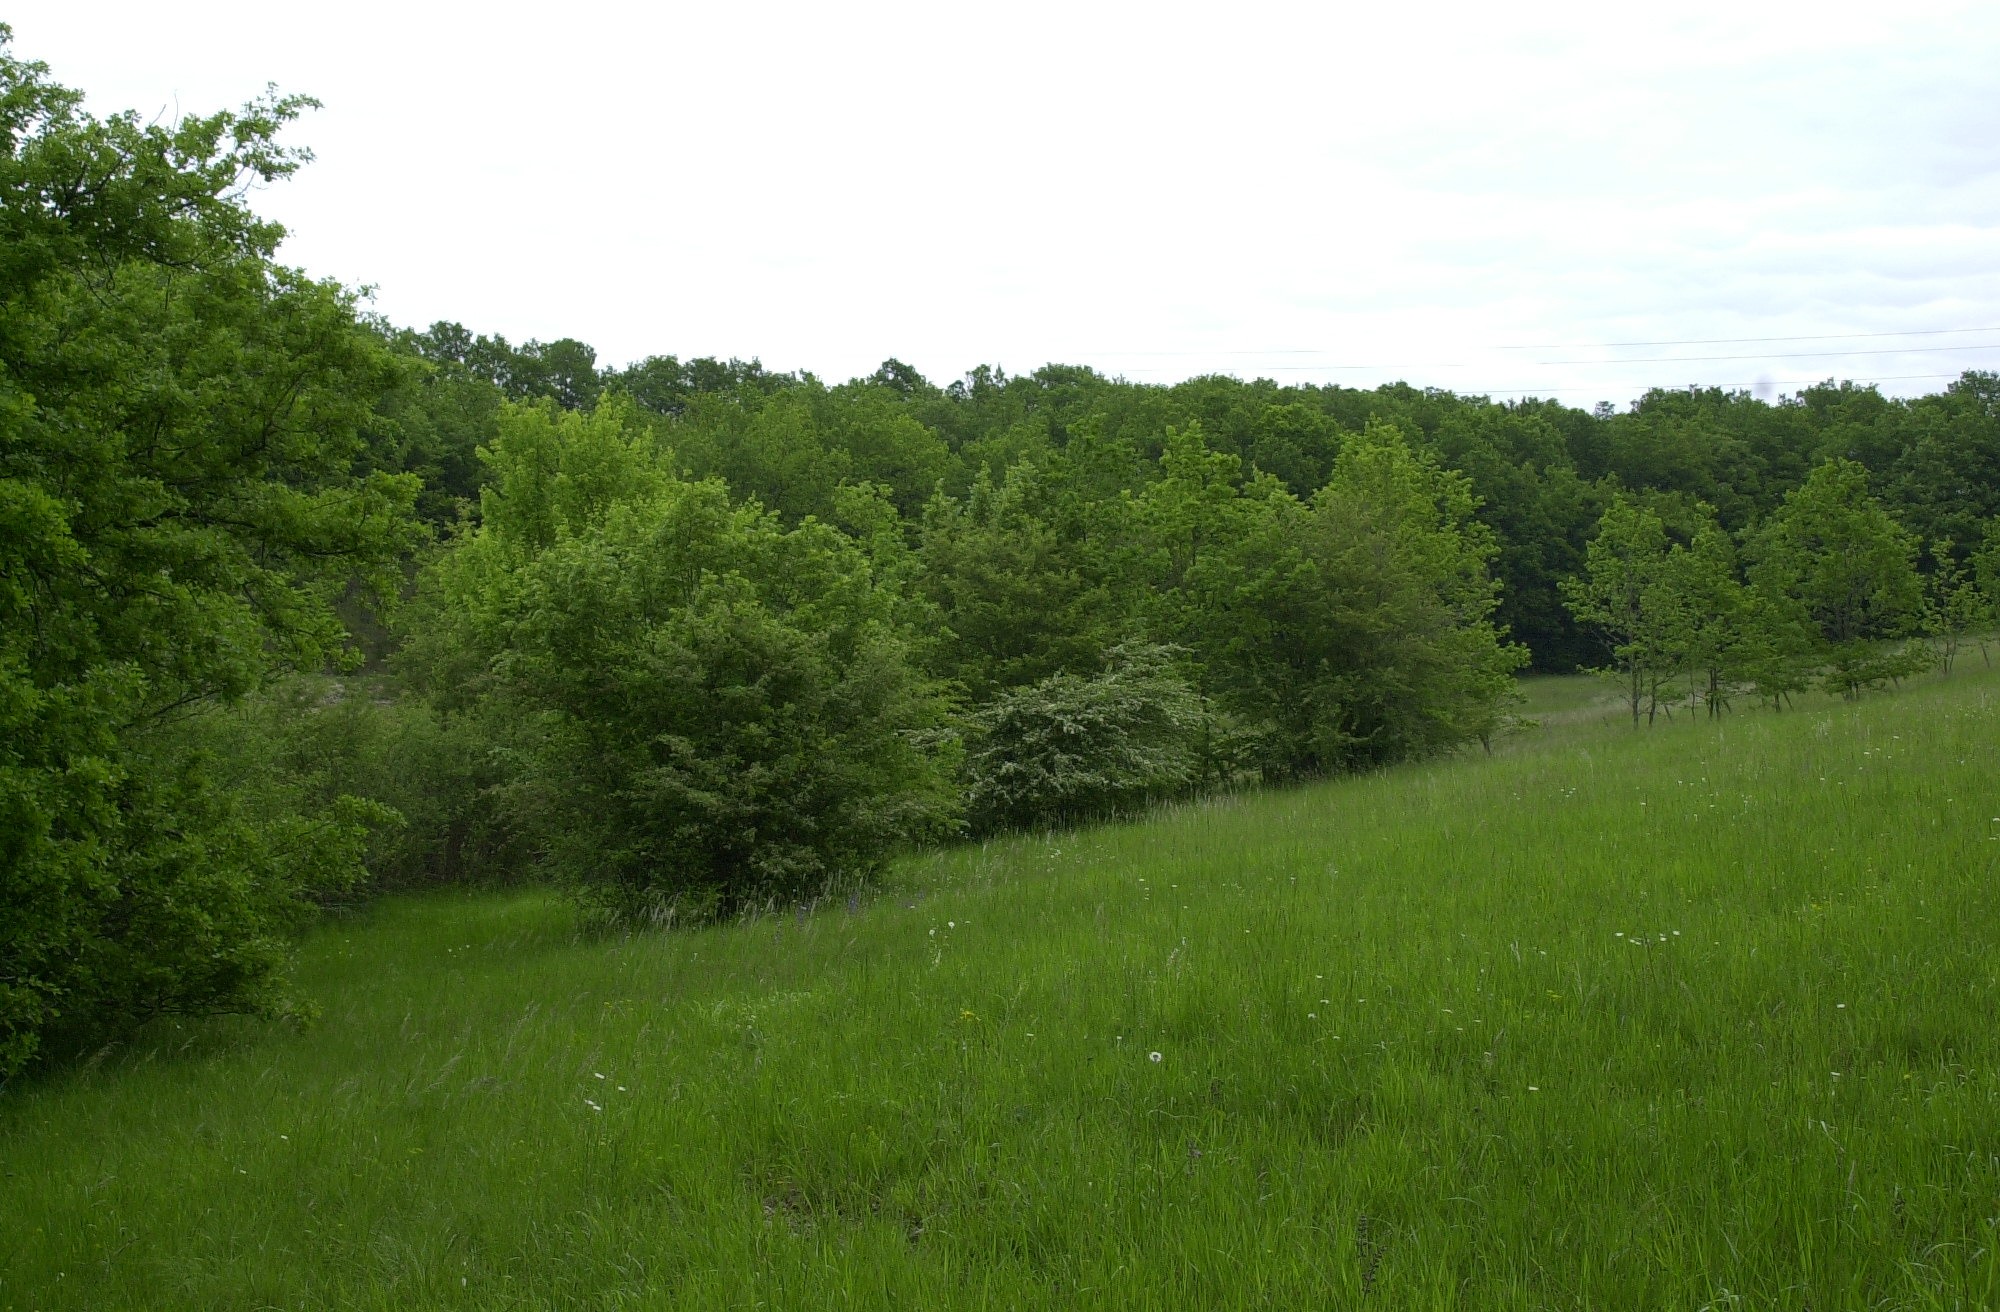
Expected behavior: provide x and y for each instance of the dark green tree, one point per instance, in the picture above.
(1946, 480)
(180, 422)
(1019, 599)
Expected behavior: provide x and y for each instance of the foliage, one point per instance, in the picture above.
(1833, 560)
(300, 745)
(180, 421)
(695, 633)
(1956, 607)
(1832, 592)
(1945, 479)
(1676, 615)
(793, 448)
(1713, 627)
(1351, 630)
(432, 426)
(726, 709)
(1984, 570)
(1070, 748)
(1541, 513)
(1019, 600)
(1619, 594)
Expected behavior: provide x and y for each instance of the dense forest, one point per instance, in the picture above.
(297, 604)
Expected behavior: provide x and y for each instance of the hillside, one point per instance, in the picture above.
(1694, 1017)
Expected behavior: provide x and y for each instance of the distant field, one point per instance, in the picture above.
(1700, 1017)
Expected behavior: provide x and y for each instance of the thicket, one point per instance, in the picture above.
(296, 601)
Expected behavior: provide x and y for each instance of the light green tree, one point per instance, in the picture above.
(1708, 620)
(1955, 606)
(1628, 597)
(1349, 630)
(1832, 559)
(1984, 566)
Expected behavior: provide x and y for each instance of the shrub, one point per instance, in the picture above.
(721, 711)
(177, 895)
(1069, 748)
(302, 745)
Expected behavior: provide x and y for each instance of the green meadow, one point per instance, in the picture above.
(1698, 1017)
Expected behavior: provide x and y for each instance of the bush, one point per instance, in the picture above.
(172, 894)
(718, 712)
(303, 745)
(1069, 749)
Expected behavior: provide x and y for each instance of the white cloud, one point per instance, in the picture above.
(1161, 190)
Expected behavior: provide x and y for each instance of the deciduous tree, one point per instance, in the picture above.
(1834, 556)
(180, 422)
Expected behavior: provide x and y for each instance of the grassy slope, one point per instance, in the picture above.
(1696, 1017)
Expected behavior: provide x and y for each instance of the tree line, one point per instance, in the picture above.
(1825, 592)
(297, 603)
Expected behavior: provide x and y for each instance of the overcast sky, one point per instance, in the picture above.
(1465, 197)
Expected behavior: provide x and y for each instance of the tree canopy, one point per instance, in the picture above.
(293, 598)
(181, 421)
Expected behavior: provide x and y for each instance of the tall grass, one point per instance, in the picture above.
(1700, 1017)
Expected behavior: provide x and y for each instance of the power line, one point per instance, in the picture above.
(1786, 355)
(1644, 387)
(1736, 341)
(1624, 387)
(1629, 359)
(1660, 359)
(1605, 346)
